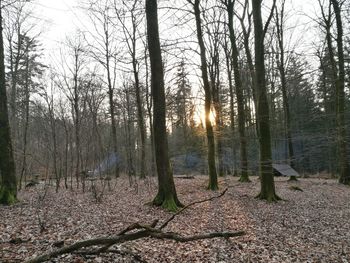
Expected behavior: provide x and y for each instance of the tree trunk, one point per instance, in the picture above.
(213, 180)
(76, 102)
(130, 149)
(344, 169)
(111, 110)
(239, 94)
(150, 117)
(282, 71)
(26, 122)
(267, 191)
(8, 190)
(246, 41)
(166, 196)
(140, 118)
(232, 110)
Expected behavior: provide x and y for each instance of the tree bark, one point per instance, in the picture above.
(282, 71)
(111, 107)
(267, 191)
(213, 180)
(26, 118)
(344, 169)
(232, 110)
(8, 184)
(239, 94)
(131, 41)
(166, 196)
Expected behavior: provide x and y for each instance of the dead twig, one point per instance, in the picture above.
(149, 232)
(143, 231)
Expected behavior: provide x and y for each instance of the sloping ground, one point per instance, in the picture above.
(310, 226)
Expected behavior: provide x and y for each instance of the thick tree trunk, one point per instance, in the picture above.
(344, 169)
(166, 196)
(267, 191)
(213, 180)
(239, 94)
(8, 190)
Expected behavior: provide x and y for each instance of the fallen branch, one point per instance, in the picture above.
(142, 231)
(149, 232)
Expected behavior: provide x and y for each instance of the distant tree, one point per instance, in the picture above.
(281, 64)
(29, 73)
(128, 112)
(212, 25)
(16, 29)
(48, 96)
(213, 180)
(339, 78)
(308, 120)
(267, 190)
(71, 83)
(229, 5)
(105, 54)
(181, 104)
(8, 184)
(166, 196)
(132, 14)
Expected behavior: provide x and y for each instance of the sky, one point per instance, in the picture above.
(60, 19)
(63, 17)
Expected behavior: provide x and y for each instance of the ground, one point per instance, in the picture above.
(312, 225)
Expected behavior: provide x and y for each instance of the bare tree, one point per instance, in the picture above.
(70, 83)
(267, 190)
(105, 53)
(229, 5)
(213, 180)
(131, 37)
(166, 196)
(8, 185)
(281, 64)
(339, 78)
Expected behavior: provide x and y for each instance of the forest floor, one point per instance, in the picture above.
(312, 225)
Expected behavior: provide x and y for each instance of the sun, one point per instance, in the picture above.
(200, 118)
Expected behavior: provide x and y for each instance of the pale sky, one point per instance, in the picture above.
(62, 18)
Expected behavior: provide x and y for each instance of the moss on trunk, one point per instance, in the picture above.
(7, 197)
(167, 201)
(269, 197)
(213, 185)
(166, 197)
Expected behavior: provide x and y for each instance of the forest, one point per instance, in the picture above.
(174, 131)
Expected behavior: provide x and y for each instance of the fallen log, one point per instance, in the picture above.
(134, 232)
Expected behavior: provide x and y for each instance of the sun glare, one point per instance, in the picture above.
(212, 116)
